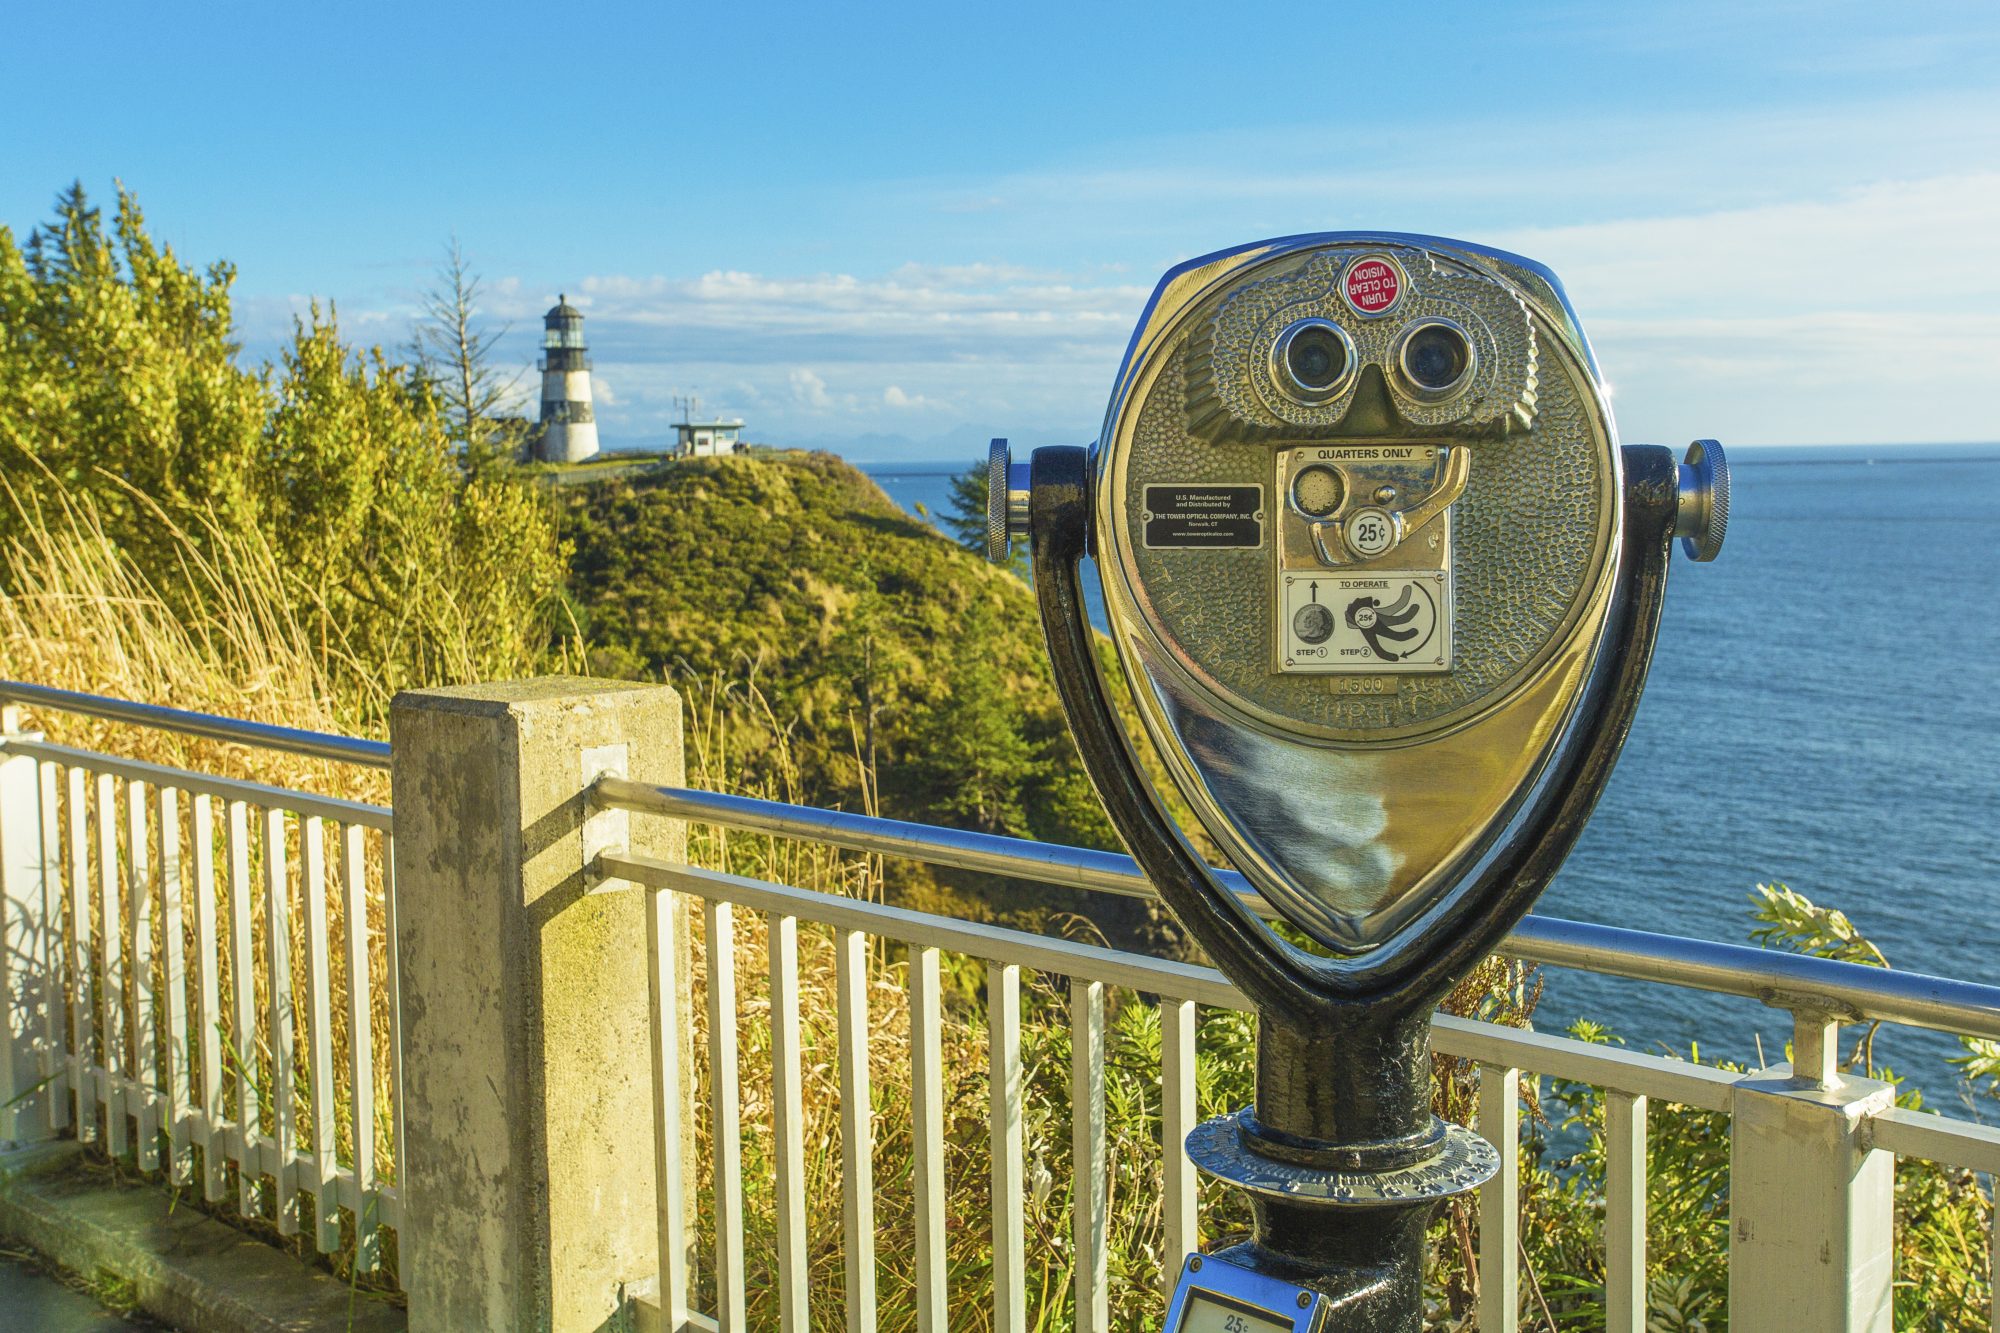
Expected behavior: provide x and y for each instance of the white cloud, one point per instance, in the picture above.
(1502, 166)
(807, 354)
(1872, 315)
(893, 396)
(1791, 312)
(1862, 315)
(1894, 246)
(810, 389)
(1812, 378)
(952, 309)
(602, 392)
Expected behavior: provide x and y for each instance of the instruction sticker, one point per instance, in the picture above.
(1373, 285)
(1364, 624)
(1191, 514)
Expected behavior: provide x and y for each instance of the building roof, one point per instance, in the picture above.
(562, 309)
(717, 424)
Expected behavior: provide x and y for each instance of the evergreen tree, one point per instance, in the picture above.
(120, 386)
(965, 517)
(119, 381)
(433, 570)
(970, 751)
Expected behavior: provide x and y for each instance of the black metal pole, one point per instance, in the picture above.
(1342, 1159)
(1354, 1100)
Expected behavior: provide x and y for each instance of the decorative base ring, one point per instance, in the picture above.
(1464, 1162)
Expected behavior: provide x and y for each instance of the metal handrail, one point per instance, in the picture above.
(1796, 982)
(961, 849)
(263, 735)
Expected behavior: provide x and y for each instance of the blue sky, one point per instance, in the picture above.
(898, 228)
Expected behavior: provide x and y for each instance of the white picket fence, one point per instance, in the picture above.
(1637, 1086)
(219, 956)
(210, 966)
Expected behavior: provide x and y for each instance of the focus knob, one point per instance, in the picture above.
(1702, 517)
(1006, 502)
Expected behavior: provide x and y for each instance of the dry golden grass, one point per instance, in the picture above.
(726, 716)
(75, 613)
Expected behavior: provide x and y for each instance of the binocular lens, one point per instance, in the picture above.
(1436, 357)
(1316, 358)
(1312, 361)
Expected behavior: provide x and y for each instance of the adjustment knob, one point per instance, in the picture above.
(1702, 516)
(1006, 502)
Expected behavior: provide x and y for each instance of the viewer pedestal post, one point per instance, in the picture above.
(528, 1195)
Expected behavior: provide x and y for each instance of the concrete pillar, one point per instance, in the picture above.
(1811, 1206)
(528, 1196)
(27, 981)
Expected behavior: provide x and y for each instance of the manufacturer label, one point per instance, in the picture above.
(1192, 514)
(1364, 624)
(1372, 285)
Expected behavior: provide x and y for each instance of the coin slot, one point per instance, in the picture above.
(1317, 491)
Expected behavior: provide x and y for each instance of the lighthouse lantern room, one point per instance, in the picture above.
(569, 427)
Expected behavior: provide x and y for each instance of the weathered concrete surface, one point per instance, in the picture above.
(1812, 1203)
(185, 1269)
(528, 1189)
(31, 1299)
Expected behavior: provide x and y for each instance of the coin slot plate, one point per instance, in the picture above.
(1216, 1296)
(1388, 605)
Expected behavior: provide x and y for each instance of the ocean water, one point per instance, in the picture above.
(1823, 710)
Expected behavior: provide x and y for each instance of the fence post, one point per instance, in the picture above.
(1811, 1204)
(27, 944)
(528, 1194)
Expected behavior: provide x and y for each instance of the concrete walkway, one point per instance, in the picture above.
(31, 1299)
(184, 1269)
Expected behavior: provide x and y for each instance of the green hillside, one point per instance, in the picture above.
(890, 652)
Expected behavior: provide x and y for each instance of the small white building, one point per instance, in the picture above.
(707, 439)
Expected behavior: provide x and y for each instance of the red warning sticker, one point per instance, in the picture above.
(1373, 286)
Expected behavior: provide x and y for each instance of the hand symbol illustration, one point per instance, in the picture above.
(1377, 622)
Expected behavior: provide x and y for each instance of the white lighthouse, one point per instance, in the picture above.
(569, 427)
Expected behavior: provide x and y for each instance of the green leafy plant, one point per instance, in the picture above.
(122, 393)
(1942, 1277)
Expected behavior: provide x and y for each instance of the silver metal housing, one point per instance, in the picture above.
(1356, 802)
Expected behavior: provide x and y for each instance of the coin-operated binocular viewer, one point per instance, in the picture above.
(1384, 587)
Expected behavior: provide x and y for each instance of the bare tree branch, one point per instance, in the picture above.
(456, 354)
